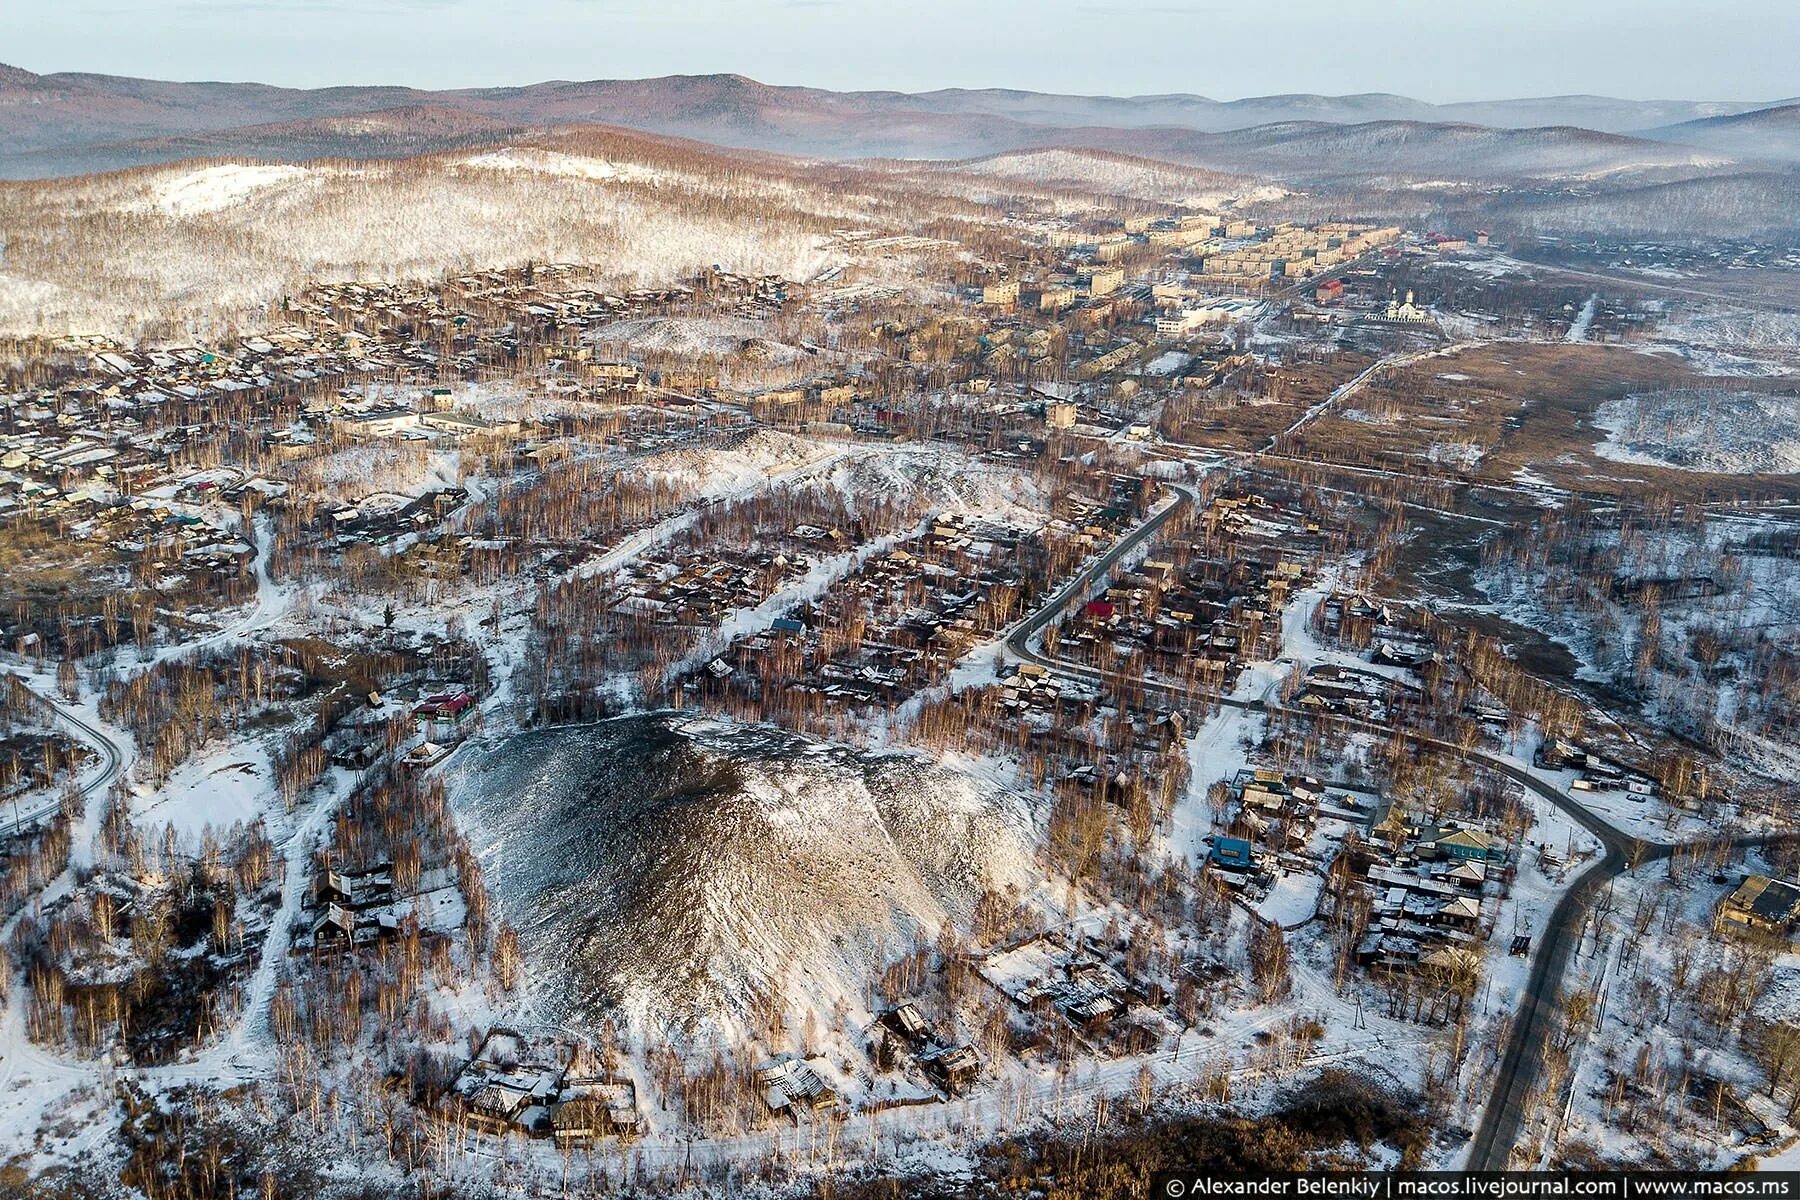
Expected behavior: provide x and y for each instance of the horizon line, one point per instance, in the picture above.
(1761, 102)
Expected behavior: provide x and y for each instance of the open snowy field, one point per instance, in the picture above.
(1726, 342)
(1699, 429)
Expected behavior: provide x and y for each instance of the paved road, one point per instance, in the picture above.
(1018, 642)
(112, 763)
(271, 605)
(1503, 1117)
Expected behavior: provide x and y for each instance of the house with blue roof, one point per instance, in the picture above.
(1232, 853)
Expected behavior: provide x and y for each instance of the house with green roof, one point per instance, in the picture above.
(1465, 845)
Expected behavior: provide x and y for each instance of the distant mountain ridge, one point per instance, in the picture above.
(1601, 113)
(75, 122)
(1765, 134)
(385, 133)
(215, 238)
(1315, 151)
(1563, 163)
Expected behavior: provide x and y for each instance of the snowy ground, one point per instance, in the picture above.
(1578, 328)
(230, 785)
(1293, 899)
(1216, 752)
(1728, 342)
(211, 189)
(1651, 819)
(718, 337)
(1120, 175)
(707, 472)
(1643, 1011)
(1700, 429)
(552, 162)
(211, 247)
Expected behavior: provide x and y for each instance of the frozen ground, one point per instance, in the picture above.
(1749, 604)
(211, 189)
(718, 337)
(745, 465)
(1703, 429)
(1648, 818)
(1716, 340)
(1293, 899)
(1215, 753)
(552, 162)
(408, 469)
(683, 875)
(229, 785)
(1578, 328)
(940, 479)
(1650, 991)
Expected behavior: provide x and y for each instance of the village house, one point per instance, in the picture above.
(1763, 906)
(1462, 844)
(591, 1109)
(355, 890)
(445, 713)
(338, 927)
(952, 1066)
(793, 1087)
(512, 1082)
(1084, 981)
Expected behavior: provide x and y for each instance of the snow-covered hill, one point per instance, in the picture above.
(199, 246)
(695, 877)
(1765, 135)
(212, 189)
(110, 121)
(1308, 151)
(717, 471)
(1747, 204)
(1100, 172)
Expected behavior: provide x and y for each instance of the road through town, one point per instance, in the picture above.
(1503, 1116)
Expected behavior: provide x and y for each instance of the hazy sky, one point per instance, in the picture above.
(1433, 49)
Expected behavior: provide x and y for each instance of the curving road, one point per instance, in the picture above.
(113, 756)
(1503, 1118)
(1018, 641)
(1504, 1115)
(271, 605)
(113, 759)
